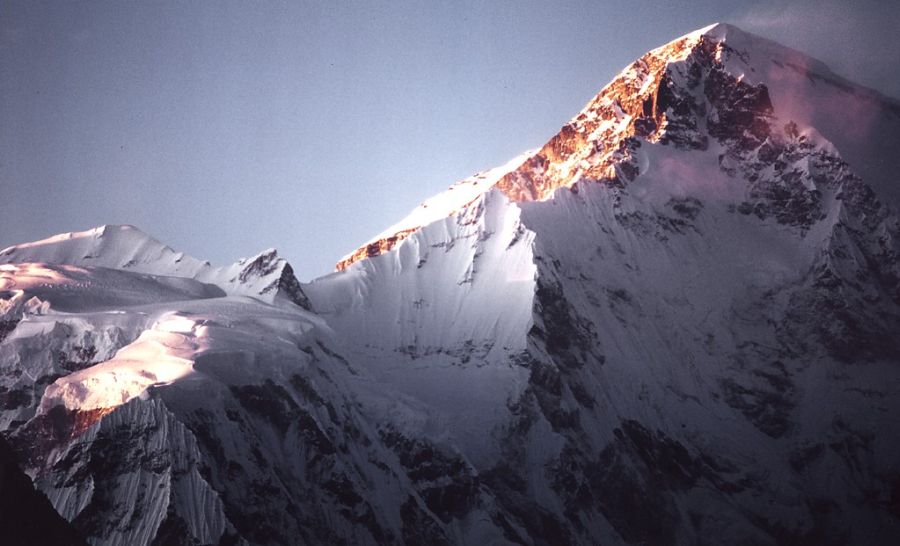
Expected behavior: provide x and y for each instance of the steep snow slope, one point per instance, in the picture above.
(454, 303)
(672, 324)
(432, 210)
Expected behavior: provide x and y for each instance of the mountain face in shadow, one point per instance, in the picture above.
(28, 518)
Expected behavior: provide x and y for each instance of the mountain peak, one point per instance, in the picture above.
(718, 86)
(273, 276)
(113, 246)
(718, 30)
(127, 248)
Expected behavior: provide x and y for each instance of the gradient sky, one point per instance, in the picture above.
(224, 128)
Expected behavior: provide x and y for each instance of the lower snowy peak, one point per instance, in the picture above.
(266, 276)
(112, 246)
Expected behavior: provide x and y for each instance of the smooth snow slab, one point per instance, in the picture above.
(69, 287)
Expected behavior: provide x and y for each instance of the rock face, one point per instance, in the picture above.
(675, 323)
(28, 517)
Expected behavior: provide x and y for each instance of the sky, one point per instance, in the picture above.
(226, 128)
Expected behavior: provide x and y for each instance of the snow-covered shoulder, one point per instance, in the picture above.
(436, 208)
(113, 246)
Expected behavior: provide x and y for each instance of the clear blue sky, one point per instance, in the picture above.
(224, 128)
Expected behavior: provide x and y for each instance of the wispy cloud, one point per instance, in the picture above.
(858, 40)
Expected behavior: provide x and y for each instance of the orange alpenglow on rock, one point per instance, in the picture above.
(598, 144)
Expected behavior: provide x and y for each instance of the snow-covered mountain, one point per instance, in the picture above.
(265, 276)
(675, 323)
